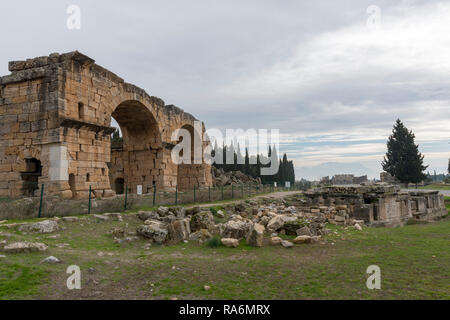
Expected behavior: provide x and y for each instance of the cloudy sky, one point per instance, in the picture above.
(325, 73)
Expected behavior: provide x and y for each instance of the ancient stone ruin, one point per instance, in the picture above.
(259, 222)
(343, 179)
(55, 127)
(376, 204)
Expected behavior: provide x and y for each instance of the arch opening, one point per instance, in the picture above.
(30, 177)
(119, 186)
(136, 157)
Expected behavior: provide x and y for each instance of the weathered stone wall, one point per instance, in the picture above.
(393, 209)
(57, 110)
(344, 179)
(385, 205)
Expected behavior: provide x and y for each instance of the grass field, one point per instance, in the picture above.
(436, 187)
(414, 262)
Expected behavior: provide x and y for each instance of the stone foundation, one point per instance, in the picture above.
(380, 205)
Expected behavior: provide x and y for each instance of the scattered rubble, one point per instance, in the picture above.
(265, 221)
(248, 220)
(287, 244)
(24, 247)
(46, 226)
(101, 217)
(200, 236)
(220, 214)
(276, 240)
(70, 219)
(384, 205)
(230, 242)
(202, 220)
(179, 230)
(51, 260)
(302, 239)
(236, 228)
(222, 178)
(114, 216)
(154, 230)
(256, 235)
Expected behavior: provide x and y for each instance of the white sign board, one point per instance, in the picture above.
(288, 184)
(275, 184)
(139, 189)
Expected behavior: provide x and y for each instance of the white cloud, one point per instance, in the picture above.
(411, 41)
(310, 69)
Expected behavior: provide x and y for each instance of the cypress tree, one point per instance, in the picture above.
(224, 154)
(403, 159)
(258, 166)
(246, 162)
(285, 167)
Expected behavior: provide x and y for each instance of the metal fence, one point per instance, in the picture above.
(200, 195)
(48, 205)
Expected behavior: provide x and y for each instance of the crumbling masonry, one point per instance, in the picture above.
(55, 127)
(383, 205)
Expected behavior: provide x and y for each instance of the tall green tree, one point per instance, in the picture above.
(247, 162)
(251, 164)
(403, 159)
(116, 137)
(448, 171)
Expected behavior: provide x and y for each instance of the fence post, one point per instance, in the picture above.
(40, 202)
(222, 192)
(209, 193)
(89, 205)
(194, 193)
(154, 195)
(249, 189)
(232, 191)
(126, 198)
(176, 194)
(242, 191)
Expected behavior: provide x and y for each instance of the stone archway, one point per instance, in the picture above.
(139, 160)
(72, 134)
